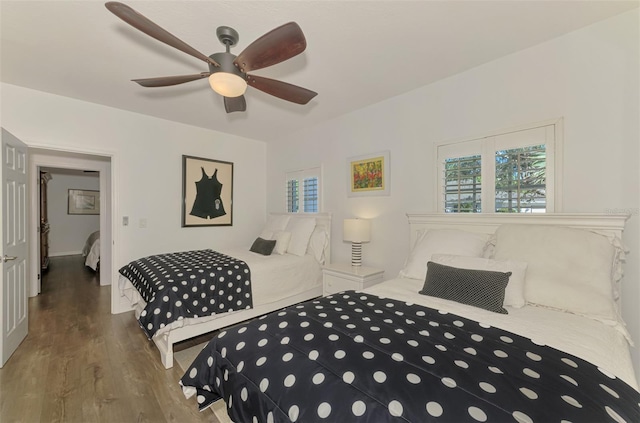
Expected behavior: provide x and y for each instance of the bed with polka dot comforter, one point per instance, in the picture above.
(188, 284)
(356, 357)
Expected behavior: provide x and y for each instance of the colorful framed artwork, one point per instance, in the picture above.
(82, 201)
(369, 175)
(207, 192)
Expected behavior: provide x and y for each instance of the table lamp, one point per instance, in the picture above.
(357, 231)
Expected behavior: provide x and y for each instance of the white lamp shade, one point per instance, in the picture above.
(357, 230)
(227, 84)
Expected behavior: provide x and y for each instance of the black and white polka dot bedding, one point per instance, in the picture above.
(188, 284)
(356, 357)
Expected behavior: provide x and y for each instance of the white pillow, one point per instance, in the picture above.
(274, 224)
(282, 242)
(568, 269)
(441, 241)
(301, 229)
(265, 234)
(514, 294)
(317, 243)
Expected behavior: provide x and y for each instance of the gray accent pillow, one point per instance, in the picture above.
(263, 246)
(478, 288)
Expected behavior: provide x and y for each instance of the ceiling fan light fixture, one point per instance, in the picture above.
(226, 79)
(227, 84)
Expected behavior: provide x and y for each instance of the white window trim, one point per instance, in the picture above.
(473, 145)
(300, 175)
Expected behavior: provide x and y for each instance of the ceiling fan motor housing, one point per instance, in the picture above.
(225, 60)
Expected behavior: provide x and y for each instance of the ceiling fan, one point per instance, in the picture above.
(228, 73)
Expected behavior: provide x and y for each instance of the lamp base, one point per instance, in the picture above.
(356, 254)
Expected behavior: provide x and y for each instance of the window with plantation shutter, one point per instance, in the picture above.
(462, 184)
(292, 195)
(521, 179)
(303, 191)
(310, 194)
(509, 172)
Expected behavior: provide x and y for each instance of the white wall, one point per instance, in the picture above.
(588, 77)
(69, 232)
(146, 162)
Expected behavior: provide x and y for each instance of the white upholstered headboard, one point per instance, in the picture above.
(323, 220)
(607, 224)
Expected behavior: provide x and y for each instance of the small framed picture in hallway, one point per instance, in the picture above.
(207, 192)
(82, 201)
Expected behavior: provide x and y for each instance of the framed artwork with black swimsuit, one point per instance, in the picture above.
(207, 192)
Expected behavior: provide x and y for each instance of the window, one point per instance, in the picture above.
(521, 179)
(303, 191)
(310, 194)
(510, 172)
(462, 184)
(292, 195)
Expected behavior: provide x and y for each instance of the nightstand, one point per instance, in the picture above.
(338, 277)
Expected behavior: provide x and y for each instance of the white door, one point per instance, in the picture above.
(13, 253)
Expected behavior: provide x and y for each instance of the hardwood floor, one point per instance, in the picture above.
(80, 363)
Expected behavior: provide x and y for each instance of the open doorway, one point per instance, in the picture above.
(69, 166)
(69, 215)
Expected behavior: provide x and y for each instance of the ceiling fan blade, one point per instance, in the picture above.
(143, 24)
(282, 90)
(165, 81)
(235, 104)
(273, 47)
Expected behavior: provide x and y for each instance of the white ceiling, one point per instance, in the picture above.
(358, 52)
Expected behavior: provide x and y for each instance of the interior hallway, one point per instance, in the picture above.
(80, 363)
